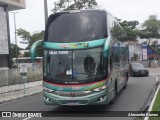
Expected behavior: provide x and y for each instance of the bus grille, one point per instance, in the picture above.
(71, 94)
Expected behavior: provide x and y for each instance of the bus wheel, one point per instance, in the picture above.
(125, 85)
(126, 80)
(114, 95)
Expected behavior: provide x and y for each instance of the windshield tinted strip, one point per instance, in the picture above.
(78, 27)
(78, 45)
(69, 85)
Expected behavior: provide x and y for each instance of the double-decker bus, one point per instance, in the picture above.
(84, 58)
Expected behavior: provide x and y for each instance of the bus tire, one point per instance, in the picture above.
(125, 85)
(115, 94)
(126, 80)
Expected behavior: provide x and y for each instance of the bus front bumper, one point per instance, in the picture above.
(95, 98)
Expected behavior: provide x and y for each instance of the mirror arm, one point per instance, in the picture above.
(33, 49)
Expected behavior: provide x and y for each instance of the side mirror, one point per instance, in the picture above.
(33, 49)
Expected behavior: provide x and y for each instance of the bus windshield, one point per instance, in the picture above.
(77, 27)
(75, 65)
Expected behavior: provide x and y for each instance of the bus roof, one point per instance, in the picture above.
(82, 26)
(75, 11)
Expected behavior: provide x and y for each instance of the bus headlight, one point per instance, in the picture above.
(100, 88)
(86, 92)
(48, 89)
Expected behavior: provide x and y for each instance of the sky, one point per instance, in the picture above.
(32, 18)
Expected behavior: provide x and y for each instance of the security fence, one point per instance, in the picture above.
(12, 76)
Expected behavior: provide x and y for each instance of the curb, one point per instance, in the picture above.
(18, 97)
(16, 87)
(153, 100)
(148, 100)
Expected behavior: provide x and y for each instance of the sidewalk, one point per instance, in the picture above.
(154, 71)
(7, 97)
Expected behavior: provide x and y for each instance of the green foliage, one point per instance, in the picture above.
(144, 34)
(63, 5)
(24, 35)
(13, 50)
(128, 25)
(39, 51)
(36, 36)
(152, 28)
(156, 107)
(130, 29)
(28, 38)
(135, 56)
(26, 54)
(154, 46)
(117, 32)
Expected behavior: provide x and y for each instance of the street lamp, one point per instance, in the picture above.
(45, 11)
(15, 33)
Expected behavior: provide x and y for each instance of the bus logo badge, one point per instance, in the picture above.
(64, 46)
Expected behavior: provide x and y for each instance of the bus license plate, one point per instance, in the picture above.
(73, 103)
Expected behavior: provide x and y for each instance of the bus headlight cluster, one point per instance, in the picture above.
(100, 88)
(86, 92)
(48, 90)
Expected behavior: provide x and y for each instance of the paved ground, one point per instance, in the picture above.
(154, 70)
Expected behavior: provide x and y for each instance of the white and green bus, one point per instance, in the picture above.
(84, 60)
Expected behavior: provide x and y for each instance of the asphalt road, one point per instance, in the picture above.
(131, 99)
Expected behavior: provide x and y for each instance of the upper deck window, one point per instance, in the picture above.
(78, 27)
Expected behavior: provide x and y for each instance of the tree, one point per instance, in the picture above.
(28, 38)
(24, 35)
(151, 30)
(130, 29)
(13, 50)
(135, 56)
(34, 37)
(63, 5)
(26, 54)
(152, 26)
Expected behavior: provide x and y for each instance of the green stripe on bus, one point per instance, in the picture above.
(75, 45)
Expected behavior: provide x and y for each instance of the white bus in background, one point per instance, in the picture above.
(17, 61)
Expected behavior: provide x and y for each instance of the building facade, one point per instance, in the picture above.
(5, 7)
